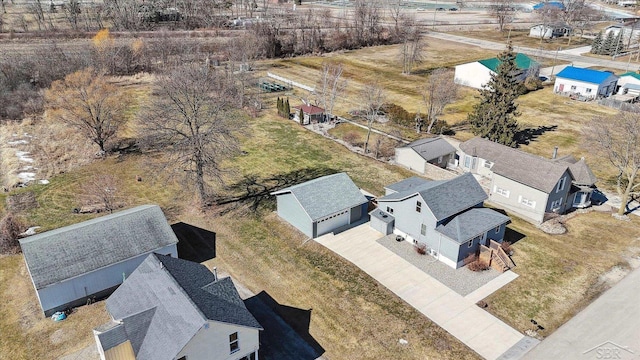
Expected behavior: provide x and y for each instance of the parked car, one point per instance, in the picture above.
(440, 9)
(453, 9)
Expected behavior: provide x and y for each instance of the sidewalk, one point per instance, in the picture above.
(461, 317)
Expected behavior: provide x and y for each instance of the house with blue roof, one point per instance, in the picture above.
(553, 4)
(588, 83)
(478, 73)
(322, 205)
(447, 217)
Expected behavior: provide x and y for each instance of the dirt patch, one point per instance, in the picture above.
(22, 202)
(58, 337)
(614, 275)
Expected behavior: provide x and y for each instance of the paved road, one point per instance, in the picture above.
(476, 328)
(607, 329)
(563, 56)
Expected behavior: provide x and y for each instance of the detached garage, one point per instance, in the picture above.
(91, 259)
(322, 205)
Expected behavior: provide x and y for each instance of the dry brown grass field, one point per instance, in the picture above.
(350, 311)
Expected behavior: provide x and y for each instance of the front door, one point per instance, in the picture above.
(561, 88)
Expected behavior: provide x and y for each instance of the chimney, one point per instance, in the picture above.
(555, 152)
(215, 273)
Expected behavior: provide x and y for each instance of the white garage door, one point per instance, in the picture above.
(332, 222)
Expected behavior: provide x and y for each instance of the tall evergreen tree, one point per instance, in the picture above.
(598, 41)
(608, 45)
(494, 117)
(287, 109)
(618, 44)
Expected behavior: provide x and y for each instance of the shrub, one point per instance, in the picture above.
(398, 115)
(473, 263)
(506, 246)
(421, 249)
(352, 138)
(11, 227)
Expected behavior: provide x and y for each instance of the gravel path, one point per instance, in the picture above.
(463, 281)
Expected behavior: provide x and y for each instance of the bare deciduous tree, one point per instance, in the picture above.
(194, 119)
(412, 45)
(503, 11)
(617, 139)
(86, 101)
(330, 85)
(372, 97)
(439, 91)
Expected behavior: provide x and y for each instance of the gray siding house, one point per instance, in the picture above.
(446, 216)
(415, 156)
(92, 258)
(322, 205)
(529, 185)
(177, 309)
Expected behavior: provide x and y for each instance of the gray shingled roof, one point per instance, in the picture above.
(581, 172)
(60, 254)
(111, 335)
(431, 148)
(163, 304)
(445, 198)
(528, 169)
(472, 223)
(326, 195)
(411, 183)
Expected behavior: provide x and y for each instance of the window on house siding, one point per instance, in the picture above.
(588, 91)
(573, 87)
(233, 343)
(183, 358)
(527, 202)
(470, 243)
(423, 229)
(389, 210)
(439, 159)
(561, 184)
(418, 206)
(498, 229)
(251, 356)
(501, 191)
(556, 204)
(488, 164)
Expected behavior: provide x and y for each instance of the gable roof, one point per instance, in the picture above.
(63, 253)
(165, 302)
(586, 75)
(310, 109)
(633, 74)
(472, 223)
(528, 169)
(326, 195)
(431, 148)
(580, 171)
(411, 183)
(523, 62)
(445, 198)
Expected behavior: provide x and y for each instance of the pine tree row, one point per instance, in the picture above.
(283, 108)
(611, 44)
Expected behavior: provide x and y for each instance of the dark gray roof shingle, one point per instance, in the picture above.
(472, 223)
(326, 195)
(445, 198)
(166, 301)
(63, 253)
(580, 171)
(411, 183)
(528, 169)
(431, 148)
(111, 335)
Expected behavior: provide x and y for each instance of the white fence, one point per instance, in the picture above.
(290, 82)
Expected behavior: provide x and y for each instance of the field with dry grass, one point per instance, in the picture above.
(520, 37)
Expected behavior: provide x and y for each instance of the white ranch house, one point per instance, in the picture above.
(585, 82)
(478, 73)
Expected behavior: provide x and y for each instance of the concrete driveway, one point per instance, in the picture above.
(606, 329)
(476, 328)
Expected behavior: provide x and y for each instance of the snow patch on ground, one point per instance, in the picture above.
(27, 173)
(30, 231)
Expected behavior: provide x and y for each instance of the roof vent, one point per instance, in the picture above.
(555, 152)
(215, 273)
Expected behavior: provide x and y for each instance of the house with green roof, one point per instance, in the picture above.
(478, 73)
(629, 84)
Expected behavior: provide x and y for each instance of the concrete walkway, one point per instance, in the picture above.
(491, 287)
(476, 328)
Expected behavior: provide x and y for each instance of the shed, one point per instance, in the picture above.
(91, 259)
(321, 205)
(311, 113)
(585, 82)
(549, 31)
(416, 155)
(478, 73)
(628, 83)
